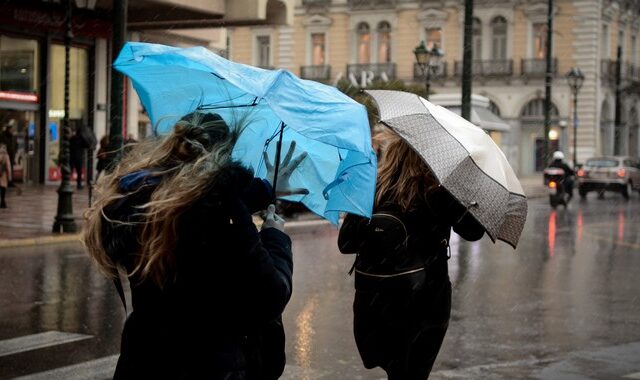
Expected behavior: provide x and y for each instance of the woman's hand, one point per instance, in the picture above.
(273, 220)
(284, 172)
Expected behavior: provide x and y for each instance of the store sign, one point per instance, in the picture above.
(18, 97)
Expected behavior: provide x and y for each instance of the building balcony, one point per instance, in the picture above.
(372, 4)
(384, 71)
(317, 72)
(316, 2)
(490, 68)
(632, 73)
(608, 71)
(440, 71)
(537, 67)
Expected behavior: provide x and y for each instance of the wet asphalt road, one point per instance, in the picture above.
(564, 305)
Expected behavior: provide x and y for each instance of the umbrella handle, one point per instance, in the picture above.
(277, 164)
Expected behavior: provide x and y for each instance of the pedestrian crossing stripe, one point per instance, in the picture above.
(37, 341)
(102, 368)
(632, 376)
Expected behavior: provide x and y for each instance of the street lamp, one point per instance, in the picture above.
(428, 60)
(64, 221)
(575, 78)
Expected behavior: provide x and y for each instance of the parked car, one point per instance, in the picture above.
(609, 173)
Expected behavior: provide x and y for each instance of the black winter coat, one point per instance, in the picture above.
(220, 318)
(403, 297)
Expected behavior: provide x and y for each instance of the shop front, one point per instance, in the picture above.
(19, 103)
(32, 81)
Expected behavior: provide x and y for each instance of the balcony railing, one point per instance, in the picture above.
(439, 72)
(608, 70)
(537, 67)
(372, 4)
(382, 71)
(316, 2)
(488, 68)
(318, 73)
(633, 73)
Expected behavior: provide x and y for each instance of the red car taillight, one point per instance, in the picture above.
(581, 173)
(621, 172)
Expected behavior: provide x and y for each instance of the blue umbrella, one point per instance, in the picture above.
(340, 169)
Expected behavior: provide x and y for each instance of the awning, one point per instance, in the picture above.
(484, 118)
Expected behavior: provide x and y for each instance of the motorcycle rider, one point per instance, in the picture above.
(559, 162)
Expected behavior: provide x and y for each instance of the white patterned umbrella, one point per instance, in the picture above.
(464, 159)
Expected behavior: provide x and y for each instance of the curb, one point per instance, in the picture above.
(41, 240)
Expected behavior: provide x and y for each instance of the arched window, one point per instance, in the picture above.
(534, 110)
(477, 38)
(494, 108)
(364, 43)
(606, 126)
(384, 42)
(499, 38)
(633, 132)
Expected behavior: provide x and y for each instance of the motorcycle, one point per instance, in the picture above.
(554, 180)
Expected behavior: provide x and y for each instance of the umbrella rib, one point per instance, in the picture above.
(212, 107)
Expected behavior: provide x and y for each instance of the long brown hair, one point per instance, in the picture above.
(403, 177)
(188, 160)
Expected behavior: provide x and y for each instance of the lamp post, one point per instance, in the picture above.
(575, 78)
(428, 60)
(64, 221)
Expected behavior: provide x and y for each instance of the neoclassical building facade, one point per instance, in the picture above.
(365, 40)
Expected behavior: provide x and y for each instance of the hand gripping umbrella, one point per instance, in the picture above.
(464, 159)
(340, 168)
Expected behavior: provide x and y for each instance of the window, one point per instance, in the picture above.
(384, 42)
(477, 38)
(433, 37)
(364, 43)
(621, 43)
(318, 46)
(499, 38)
(18, 64)
(634, 51)
(539, 42)
(604, 42)
(263, 51)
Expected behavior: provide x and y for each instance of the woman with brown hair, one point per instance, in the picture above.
(403, 295)
(207, 288)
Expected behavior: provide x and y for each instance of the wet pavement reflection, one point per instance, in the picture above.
(563, 304)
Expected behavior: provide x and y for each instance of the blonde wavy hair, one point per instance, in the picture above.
(403, 177)
(188, 159)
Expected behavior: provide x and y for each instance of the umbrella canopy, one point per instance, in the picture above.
(464, 159)
(340, 168)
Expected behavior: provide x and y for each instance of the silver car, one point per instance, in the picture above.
(609, 173)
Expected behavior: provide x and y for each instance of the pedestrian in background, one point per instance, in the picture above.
(77, 147)
(403, 294)
(5, 174)
(102, 155)
(10, 140)
(207, 287)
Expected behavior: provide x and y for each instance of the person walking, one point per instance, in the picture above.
(77, 146)
(10, 140)
(102, 155)
(207, 288)
(402, 301)
(5, 174)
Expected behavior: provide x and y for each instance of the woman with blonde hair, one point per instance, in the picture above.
(403, 295)
(207, 288)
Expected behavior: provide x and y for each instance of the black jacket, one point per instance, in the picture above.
(402, 303)
(220, 318)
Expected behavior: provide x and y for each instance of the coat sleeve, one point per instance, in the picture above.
(463, 223)
(267, 264)
(351, 237)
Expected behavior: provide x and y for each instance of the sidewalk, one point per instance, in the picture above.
(29, 218)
